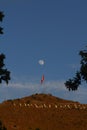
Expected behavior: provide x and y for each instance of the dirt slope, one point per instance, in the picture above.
(43, 112)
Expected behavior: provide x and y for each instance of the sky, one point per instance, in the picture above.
(52, 30)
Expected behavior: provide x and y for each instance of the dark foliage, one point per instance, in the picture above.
(1, 19)
(4, 73)
(37, 129)
(1, 16)
(1, 30)
(2, 127)
(72, 84)
(81, 75)
(83, 69)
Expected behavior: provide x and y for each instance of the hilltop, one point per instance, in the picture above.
(43, 112)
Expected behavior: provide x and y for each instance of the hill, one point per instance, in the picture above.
(43, 112)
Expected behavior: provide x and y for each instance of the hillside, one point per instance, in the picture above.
(43, 112)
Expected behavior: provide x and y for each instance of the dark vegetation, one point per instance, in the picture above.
(81, 75)
(2, 127)
(34, 129)
(4, 73)
(37, 129)
(1, 19)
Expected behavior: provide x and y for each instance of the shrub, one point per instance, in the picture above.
(37, 129)
(2, 127)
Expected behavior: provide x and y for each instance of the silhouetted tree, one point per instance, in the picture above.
(81, 75)
(1, 16)
(4, 73)
(1, 19)
(1, 30)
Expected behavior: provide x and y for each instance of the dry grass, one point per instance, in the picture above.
(43, 112)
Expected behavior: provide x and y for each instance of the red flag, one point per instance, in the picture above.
(42, 79)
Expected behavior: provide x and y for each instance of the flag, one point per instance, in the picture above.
(42, 79)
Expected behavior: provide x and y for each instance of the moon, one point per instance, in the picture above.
(41, 62)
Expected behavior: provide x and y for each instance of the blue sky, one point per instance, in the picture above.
(55, 31)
